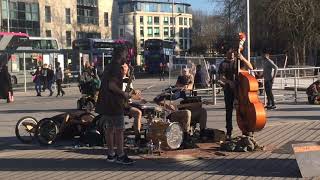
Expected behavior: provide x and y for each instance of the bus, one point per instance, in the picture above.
(97, 51)
(157, 51)
(130, 47)
(10, 41)
(37, 54)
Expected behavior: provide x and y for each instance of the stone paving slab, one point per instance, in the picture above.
(70, 163)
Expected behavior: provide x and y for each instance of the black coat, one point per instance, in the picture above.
(5, 82)
(50, 75)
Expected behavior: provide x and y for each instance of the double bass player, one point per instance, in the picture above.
(227, 72)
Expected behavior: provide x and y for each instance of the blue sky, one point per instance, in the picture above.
(204, 5)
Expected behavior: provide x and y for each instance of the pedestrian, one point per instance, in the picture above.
(5, 84)
(162, 67)
(50, 78)
(37, 79)
(111, 105)
(44, 77)
(269, 73)
(59, 78)
(227, 77)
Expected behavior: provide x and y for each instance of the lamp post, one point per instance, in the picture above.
(8, 16)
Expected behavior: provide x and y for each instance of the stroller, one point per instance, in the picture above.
(89, 88)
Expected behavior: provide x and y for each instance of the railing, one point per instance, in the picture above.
(293, 78)
(287, 79)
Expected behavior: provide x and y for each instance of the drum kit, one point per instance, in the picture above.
(159, 130)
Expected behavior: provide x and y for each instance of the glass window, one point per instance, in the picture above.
(151, 7)
(141, 19)
(137, 6)
(141, 31)
(141, 43)
(47, 14)
(48, 33)
(166, 8)
(87, 15)
(185, 21)
(181, 43)
(156, 32)
(35, 12)
(166, 31)
(68, 38)
(181, 32)
(156, 20)
(28, 12)
(149, 20)
(150, 32)
(172, 32)
(4, 9)
(121, 8)
(180, 21)
(68, 16)
(186, 32)
(106, 19)
(190, 22)
(180, 8)
(165, 20)
(172, 20)
(185, 44)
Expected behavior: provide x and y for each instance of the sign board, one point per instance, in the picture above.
(308, 158)
(46, 59)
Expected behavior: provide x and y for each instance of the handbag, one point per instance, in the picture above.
(10, 97)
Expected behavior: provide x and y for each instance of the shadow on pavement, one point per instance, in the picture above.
(36, 110)
(244, 167)
(295, 117)
(93, 159)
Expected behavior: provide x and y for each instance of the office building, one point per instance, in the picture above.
(64, 20)
(140, 20)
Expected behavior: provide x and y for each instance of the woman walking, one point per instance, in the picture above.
(36, 77)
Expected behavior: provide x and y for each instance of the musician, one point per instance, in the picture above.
(185, 82)
(132, 111)
(227, 74)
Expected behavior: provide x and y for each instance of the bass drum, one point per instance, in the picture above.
(169, 134)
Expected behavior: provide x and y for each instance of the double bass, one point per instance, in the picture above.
(251, 115)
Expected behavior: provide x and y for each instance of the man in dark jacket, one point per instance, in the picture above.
(111, 104)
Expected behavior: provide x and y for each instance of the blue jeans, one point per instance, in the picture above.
(38, 86)
(50, 85)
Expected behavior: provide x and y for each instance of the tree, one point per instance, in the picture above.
(281, 25)
(205, 32)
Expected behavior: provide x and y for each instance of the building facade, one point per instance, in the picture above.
(140, 20)
(64, 20)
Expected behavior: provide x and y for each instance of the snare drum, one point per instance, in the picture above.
(169, 134)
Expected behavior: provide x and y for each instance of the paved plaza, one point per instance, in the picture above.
(290, 124)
